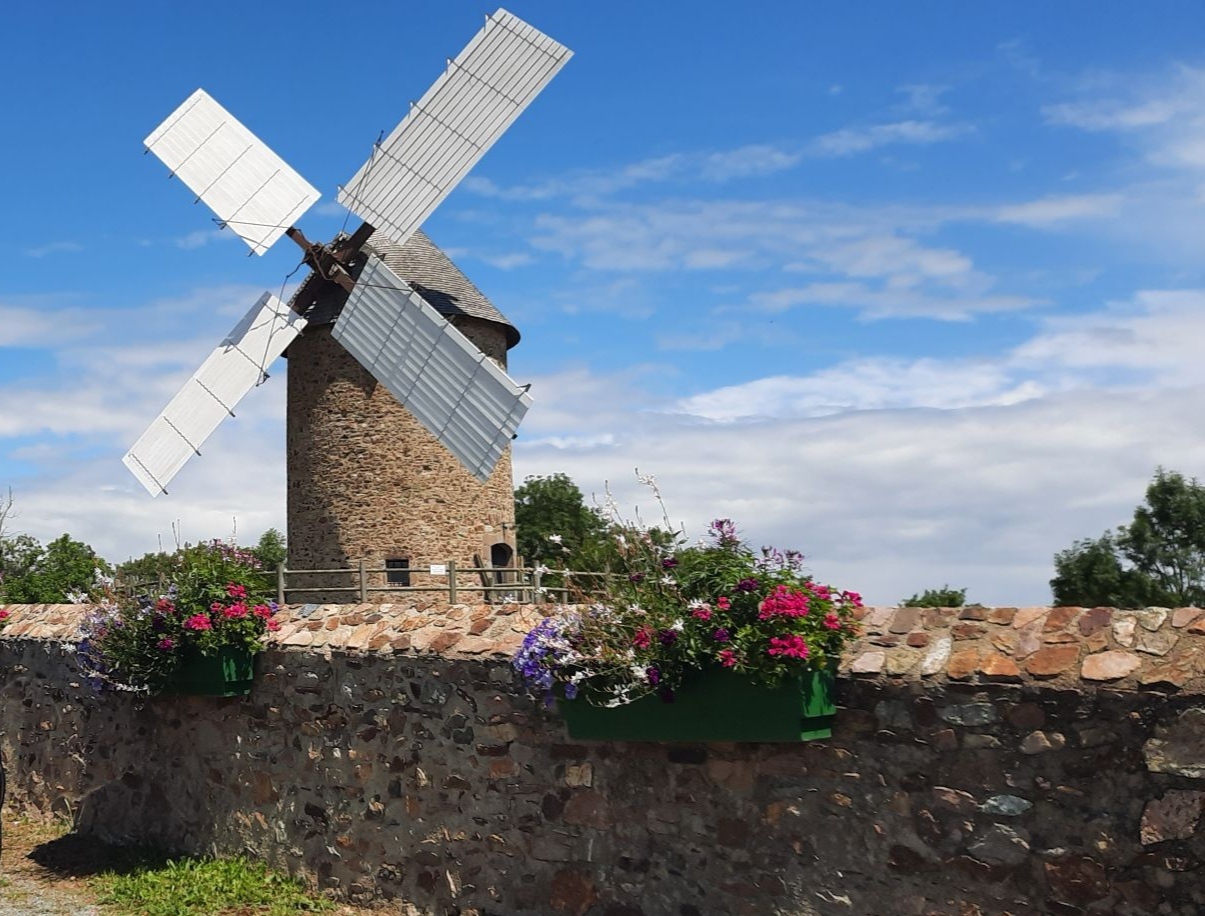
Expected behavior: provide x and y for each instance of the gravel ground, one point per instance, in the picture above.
(28, 888)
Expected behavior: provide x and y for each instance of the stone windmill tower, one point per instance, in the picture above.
(366, 480)
(400, 411)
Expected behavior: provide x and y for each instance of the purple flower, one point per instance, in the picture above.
(747, 585)
(653, 675)
(571, 691)
(636, 577)
(723, 531)
(668, 637)
(721, 635)
(166, 644)
(669, 563)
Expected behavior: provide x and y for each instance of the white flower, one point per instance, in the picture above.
(676, 625)
(555, 538)
(698, 604)
(541, 570)
(77, 597)
(509, 599)
(667, 580)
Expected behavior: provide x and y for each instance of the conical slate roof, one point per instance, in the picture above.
(422, 264)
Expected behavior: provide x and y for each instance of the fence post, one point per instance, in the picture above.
(536, 576)
(363, 582)
(451, 581)
(280, 582)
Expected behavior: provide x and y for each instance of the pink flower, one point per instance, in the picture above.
(832, 621)
(217, 607)
(703, 613)
(783, 602)
(643, 637)
(789, 646)
(235, 611)
(236, 591)
(166, 644)
(723, 603)
(198, 622)
(4, 615)
(727, 658)
(262, 611)
(273, 625)
(164, 606)
(853, 599)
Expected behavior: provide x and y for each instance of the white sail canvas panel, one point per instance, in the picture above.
(465, 111)
(458, 393)
(237, 365)
(248, 187)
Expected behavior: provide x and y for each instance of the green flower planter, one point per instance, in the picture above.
(715, 705)
(228, 672)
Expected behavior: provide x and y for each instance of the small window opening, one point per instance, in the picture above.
(398, 571)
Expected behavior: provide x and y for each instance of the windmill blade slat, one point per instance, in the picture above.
(451, 387)
(487, 86)
(247, 186)
(237, 365)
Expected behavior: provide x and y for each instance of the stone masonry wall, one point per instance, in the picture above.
(985, 761)
(368, 481)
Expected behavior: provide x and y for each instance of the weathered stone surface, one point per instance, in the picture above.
(969, 714)
(1052, 660)
(963, 664)
(1000, 845)
(1006, 805)
(1027, 615)
(1183, 616)
(1060, 618)
(1157, 643)
(1109, 666)
(1077, 881)
(1173, 817)
(935, 660)
(1040, 742)
(901, 661)
(1179, 746)
(999, 667)
(906, 619)
(868, 663)
(1123, 629)
(1095, 620)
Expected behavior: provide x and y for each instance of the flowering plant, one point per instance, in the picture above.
(673, 609)
(217, 597)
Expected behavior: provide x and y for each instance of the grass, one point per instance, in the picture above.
(204, 887)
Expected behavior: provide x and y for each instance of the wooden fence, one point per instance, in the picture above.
(528, 585)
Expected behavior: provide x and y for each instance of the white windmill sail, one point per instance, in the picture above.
(465, 111)
(248, 186)
(230, 371)
(457, 392)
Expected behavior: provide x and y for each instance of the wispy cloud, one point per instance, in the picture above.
(852, 140)
(50, 248)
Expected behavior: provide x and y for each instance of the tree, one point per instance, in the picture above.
(937, 597)
(555, 526)
(270, 550)
(47, 575)
(1158, 559)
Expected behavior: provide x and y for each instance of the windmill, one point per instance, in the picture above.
(431, 349)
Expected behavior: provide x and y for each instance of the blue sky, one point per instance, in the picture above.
(915, 288)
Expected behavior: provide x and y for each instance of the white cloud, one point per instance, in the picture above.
(1048, 211)
(42, 251)
(851, 140)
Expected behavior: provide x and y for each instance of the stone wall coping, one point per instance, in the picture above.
(1152, 649)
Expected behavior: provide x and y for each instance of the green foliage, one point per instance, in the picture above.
(33, 574)
(205, 887)
(937, 597)
(555, 527)
(148, 570)
(1158, 559)
(270, 550)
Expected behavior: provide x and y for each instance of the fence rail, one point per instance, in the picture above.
(530, 585)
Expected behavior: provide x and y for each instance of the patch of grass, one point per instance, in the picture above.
(205, 887)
